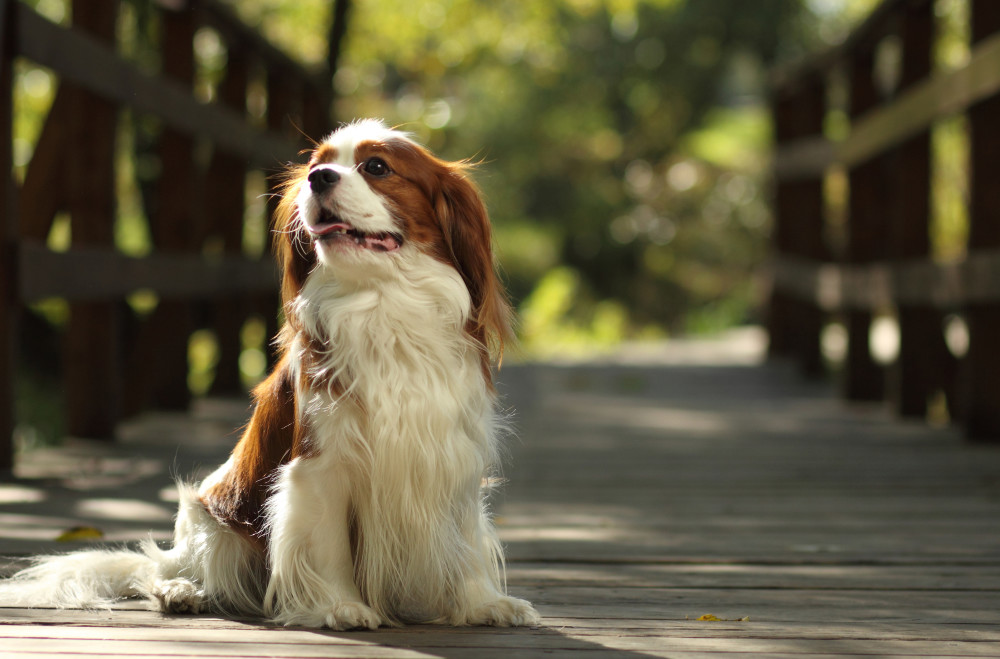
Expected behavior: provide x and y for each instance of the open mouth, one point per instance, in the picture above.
(332, 229)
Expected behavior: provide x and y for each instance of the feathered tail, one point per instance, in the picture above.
(86, 579)
(209, 567)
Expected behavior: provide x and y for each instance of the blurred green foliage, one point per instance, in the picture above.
(623, 144)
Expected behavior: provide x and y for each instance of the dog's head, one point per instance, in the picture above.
(369, 196)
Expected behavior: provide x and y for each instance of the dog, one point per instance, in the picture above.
(356, 496)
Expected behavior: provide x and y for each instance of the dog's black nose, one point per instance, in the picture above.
(322, 178)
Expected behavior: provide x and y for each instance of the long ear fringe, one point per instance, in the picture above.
(498, 322)
(294, 259)
(469, 238)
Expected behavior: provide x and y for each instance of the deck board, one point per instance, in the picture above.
(642, 493)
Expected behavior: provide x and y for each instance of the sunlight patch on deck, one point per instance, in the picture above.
(18, 494)
(123, 509)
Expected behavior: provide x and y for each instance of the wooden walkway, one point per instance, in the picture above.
(644, 493)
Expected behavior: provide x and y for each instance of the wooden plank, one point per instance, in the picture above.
(158, 363)
(92, 361)
(336, 36)
(938, 97)
(805, 210)
(882, 285)
(85, 62)
(316, 110)
(795, 323)
(153, 627)
(862, 378)
(669, 638)
(44, 193)
(981, 395)
(919, 371)
(839, 607)
(173, 224)
(9, 308)
(725, 576)
(284, 101)
(429, 638)
(935, 98)
(95, 274)
(224, 206)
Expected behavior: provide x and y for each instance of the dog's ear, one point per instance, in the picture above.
(469, 241)
(295, 258)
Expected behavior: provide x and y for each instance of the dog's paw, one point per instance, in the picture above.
(505, 612)
(352, 615)
(178, 596)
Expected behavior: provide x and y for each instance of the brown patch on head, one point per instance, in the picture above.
(324, 153)
(442, 212)
(409, 189)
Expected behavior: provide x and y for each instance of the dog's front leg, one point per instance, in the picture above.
(312, 569)
(480, 599)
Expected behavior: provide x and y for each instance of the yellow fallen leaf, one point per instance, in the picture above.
(708, 617)
(80, 533)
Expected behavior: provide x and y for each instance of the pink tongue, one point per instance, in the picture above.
(322, 229)
(381, 244)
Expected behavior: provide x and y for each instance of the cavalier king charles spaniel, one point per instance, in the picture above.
(356, 495)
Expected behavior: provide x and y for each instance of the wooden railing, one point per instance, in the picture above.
(884, 264)
(114, 362)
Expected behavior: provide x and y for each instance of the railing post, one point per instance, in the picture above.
(316, 106)
(159, 366)
(224, 206)
(863, 378)
(796, 325)
(43, 193)
(9, 305)
(924, 362)
(92, 342)
(981, 387)
(282, 104)
(779, 318)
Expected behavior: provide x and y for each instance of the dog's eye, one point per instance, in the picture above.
(377, 167)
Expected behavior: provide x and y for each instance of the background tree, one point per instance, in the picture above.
(623, 142)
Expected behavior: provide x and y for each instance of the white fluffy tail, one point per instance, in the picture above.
(86, 580)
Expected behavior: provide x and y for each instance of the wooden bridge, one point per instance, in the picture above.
(690, 499)
(879, 258)
(644, 493)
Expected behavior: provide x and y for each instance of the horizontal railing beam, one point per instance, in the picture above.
(80, 59)
(942, 95)
(102, 274)
(880, 286)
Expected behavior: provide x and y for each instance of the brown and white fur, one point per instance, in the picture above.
(355, 496)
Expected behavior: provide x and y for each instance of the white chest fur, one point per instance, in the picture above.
(410, 432)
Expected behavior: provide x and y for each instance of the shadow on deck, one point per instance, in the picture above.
(643, 492)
